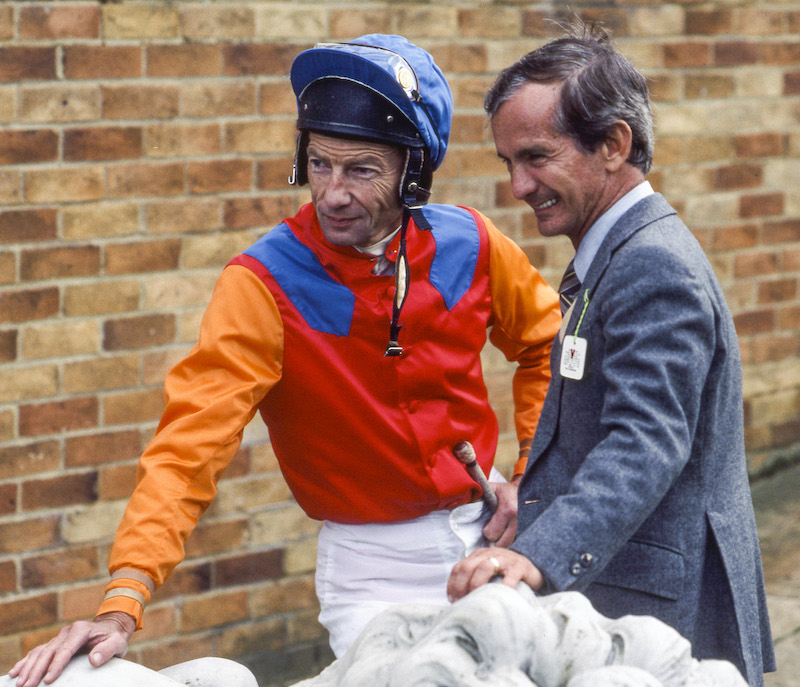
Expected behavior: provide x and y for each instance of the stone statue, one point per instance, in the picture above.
(202, 672)
(494, 637)
(501, 637)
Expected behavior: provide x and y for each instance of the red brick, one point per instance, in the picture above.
(28, 146)
(687, 54)
(272, 173)
(94, 449)
(761, 205)
(756, 322)
(53, 263)
(159, 655)
(535, 23)
(219, 175)
(32, 304)
(257, 212)
(138, 332)
(787, 54)
(103, 143)
(8, 577)
(29, 459)
(734, 237)
(277, 98)
(102, 62)
(246, 59)
(183, 60)
(187, 579)
(29, 613)
(28, 535)
(140, 102)
(736, 54)
(57, 492)
(616, 20)
(791, 83)
(210, 611)
(710, 86)
(766, 144)
(210, 538)
(786, 433)
(6, 22)
(71, 21)
(58, 416)
(777, 291)
(774, 347)
(78, 603)
(457, 57)
(709, 22)
(116, 482)
(68, 565)
(786, 231)
(23, 226)
(150, 256)
(249, 568)
(229, 98)
(344, 23)
(8, 345)
(790, 318)
(150, 179)
(755, 264)
(737, 176)
(8, 499)
(26, 63)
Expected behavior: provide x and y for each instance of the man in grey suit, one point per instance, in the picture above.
(636, 491)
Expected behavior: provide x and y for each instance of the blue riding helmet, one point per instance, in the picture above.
(377, 87)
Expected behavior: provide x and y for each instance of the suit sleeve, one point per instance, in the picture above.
(525, 320)
(210, 397)
(655, 323)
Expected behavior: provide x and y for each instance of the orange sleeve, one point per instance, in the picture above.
(210, 396)
(525, 320)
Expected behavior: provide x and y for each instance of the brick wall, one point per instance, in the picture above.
(144, 143)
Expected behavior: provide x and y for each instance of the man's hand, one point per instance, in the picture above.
(501, 528)
(105, 636)
(484, 564)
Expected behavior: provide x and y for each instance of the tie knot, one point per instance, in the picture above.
(569, 287)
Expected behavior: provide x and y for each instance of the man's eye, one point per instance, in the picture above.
(316, 164)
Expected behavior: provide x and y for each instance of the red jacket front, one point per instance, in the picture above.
(362, 437)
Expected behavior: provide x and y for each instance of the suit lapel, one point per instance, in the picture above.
(646, 211)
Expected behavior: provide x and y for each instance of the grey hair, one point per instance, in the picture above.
(599, 87)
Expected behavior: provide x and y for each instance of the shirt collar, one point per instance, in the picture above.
(591, 241)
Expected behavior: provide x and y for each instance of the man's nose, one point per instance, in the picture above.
(523, 183)
(337, 190)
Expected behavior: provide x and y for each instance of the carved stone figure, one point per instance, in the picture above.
(202, 672)
(494, 637)
(512, 638)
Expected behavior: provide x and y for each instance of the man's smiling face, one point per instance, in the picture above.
(567, 189)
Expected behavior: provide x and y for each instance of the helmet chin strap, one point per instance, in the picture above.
(414, 196)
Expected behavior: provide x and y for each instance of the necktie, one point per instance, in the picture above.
(569, 287)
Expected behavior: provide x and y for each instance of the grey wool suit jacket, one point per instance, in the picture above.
(636, 491)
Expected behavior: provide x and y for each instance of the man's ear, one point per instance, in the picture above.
(617, 146)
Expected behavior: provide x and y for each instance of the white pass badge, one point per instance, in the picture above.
(573, 357)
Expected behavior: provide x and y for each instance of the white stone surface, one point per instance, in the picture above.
(202, 672)
(503, 637)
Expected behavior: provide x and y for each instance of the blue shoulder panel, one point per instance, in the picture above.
(325, 304)
(457, 247)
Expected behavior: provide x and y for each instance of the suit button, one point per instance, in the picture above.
(587, 560)
(575, 569)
